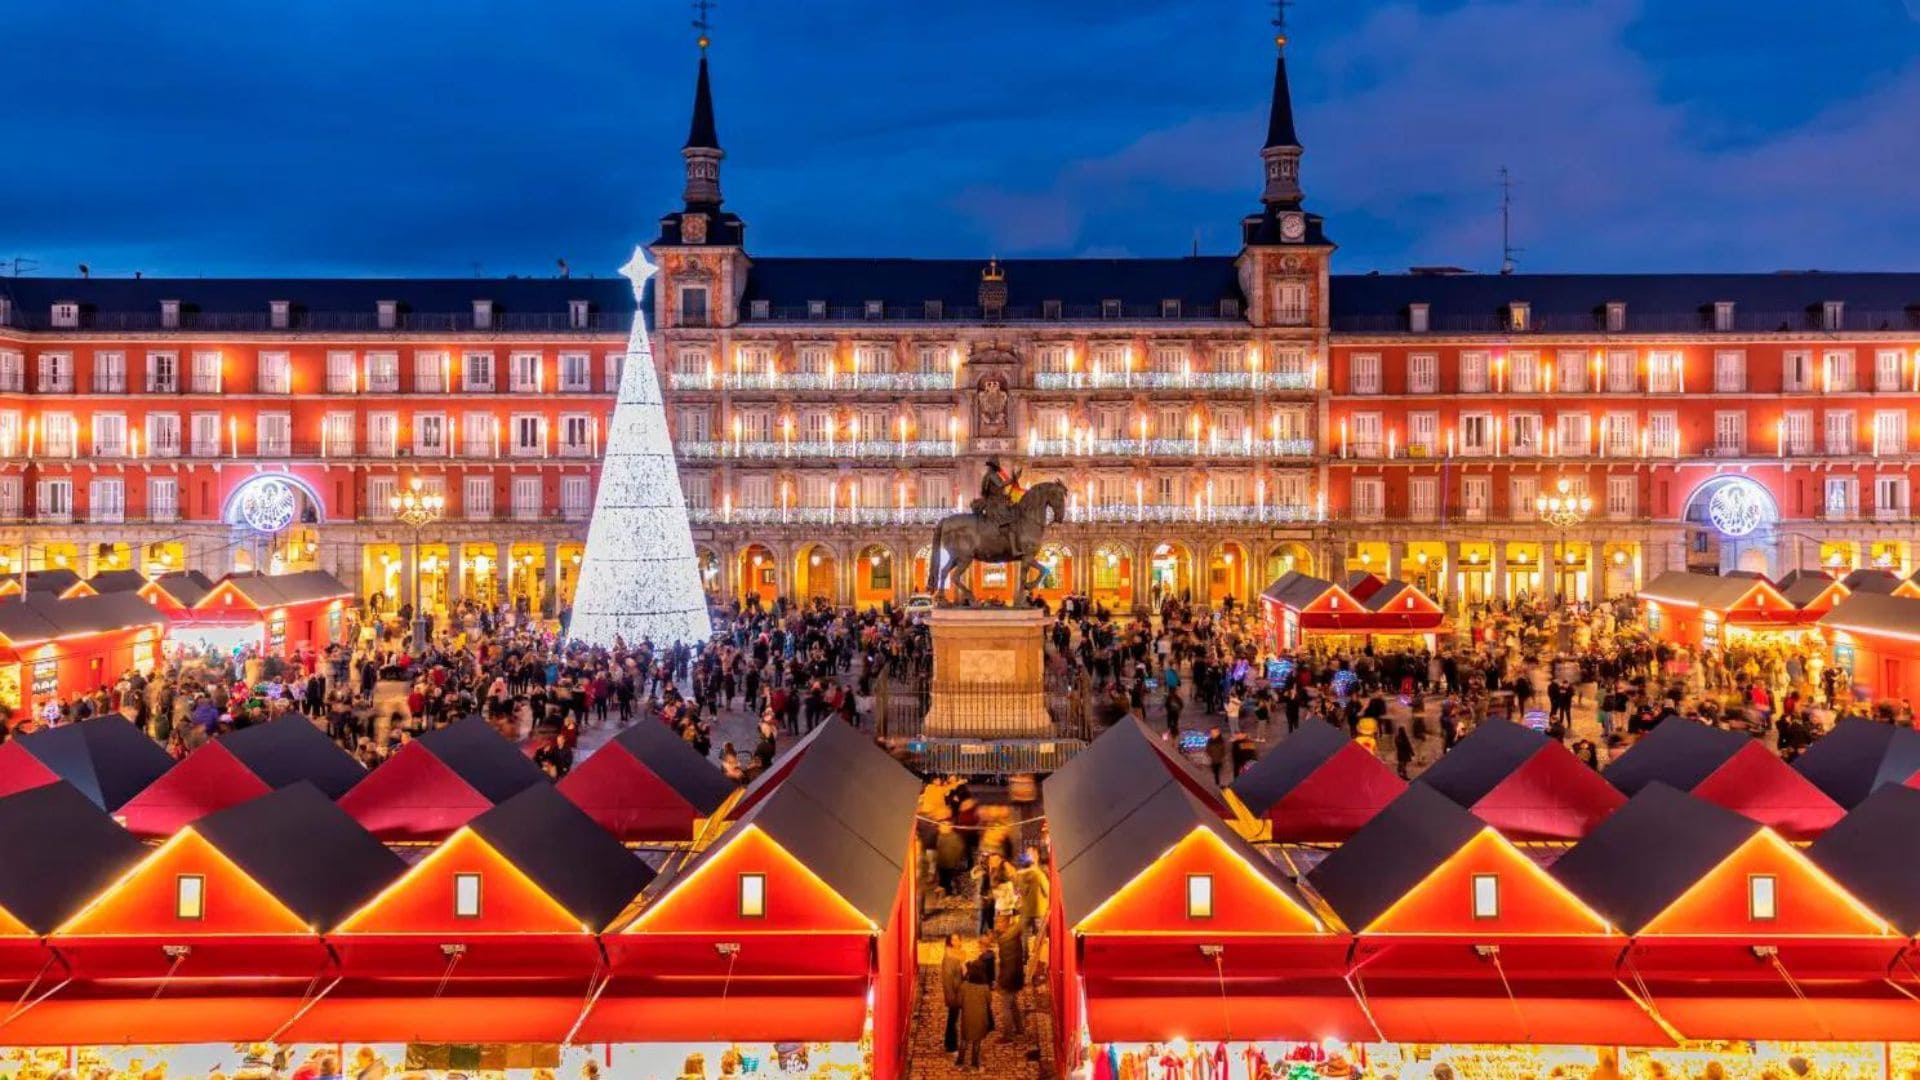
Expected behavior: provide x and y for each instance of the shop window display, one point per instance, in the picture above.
(1332, 1059)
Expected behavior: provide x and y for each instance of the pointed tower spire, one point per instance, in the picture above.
(702, 152)
(1282, 151)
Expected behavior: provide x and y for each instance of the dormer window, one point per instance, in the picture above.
(577, 314)
(1763, 897)
(1230, 307)
(935, 309)
(753, 896)
(1723, 315)
(169, 314)
(759, 309)
(483, 314)
(466, 896)
(1418, 318)
(387, 314)
(1049, 309)
(1169, 309)
(875, 309)
(1109, 309)
(816, 309)
(1833, 315)
(66, 315)
(190, 896)
(1616, 317)
(1519, 316)
(279, 314)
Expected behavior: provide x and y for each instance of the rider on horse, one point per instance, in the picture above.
(999, 490)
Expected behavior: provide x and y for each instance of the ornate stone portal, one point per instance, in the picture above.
(989, 674)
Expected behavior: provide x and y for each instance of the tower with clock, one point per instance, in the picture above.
(1283, 263)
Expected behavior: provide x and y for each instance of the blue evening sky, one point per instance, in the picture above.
(207, 137)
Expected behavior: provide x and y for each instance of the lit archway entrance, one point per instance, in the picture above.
(480, 573)
(163, 557)
(992, 582)
(432, 576)
(1621, 570)
(111, 556)
(816, 574)
(759, 575)
(1170, 573)
(709, 564)
(921, 561)
(527, 579)
(570, 559)
(1056, 566)
(381, 578)
(1283, 558)
(1523, 570)
(1113, 577)
(1369, 556)
(1732, 518)
(1473, 578)
(1424, 567)
(1227, 574)
(873, 577)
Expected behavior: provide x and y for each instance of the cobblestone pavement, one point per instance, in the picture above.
(1024, 1056)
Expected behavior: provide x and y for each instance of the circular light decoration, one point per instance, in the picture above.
(1738, 507)
(265, 504)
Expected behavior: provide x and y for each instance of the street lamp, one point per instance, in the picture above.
(1563, 510)
(418, 509)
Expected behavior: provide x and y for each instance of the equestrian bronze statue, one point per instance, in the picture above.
(999, 530)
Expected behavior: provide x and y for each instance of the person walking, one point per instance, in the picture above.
(953, 973)
(1011, 977)
(976, 1013)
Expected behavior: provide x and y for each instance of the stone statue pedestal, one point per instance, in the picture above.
(989, 674)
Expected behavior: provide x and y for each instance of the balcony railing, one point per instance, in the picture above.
(1175, 380)
(1595, 322)
(955, 313)
(911, 448)
(886, 381)
(817, 515)
(522, 322)
(1170, 448)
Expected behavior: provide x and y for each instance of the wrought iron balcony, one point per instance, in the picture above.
(1173, 380)
(870, 449)
(1170, 448)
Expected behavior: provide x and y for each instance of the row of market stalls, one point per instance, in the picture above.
(1302, 608)
(777, 936)
(646, 785)
(61, 634)
(1866, 624)
(1672, 933)
(1320, 787)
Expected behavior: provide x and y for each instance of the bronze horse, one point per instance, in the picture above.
(959, 540)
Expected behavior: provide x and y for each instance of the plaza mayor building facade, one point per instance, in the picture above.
(1218, 419)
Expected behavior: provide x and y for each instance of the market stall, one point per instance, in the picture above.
(1876, 645)
(439, 782)
(240, 766)
(800, 916)
(1859, 757)
(73, 850)
(1299, 606)
(1728, 769)
(176, 593)
(1519, 781)
(1813, 592)
(1871, 854)
(51, 649)
(1708, 611)
(280, 615)
(106, 759)
(1316, 786)
(1736, 932)
(647, 784)
(57, 582)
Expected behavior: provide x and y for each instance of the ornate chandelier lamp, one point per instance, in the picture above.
(1563, 509)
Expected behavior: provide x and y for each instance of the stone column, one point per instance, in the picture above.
(1596, 569)
(551, 551)
(1499, 590)
(409, 591)
(1395, 549)
(1449, 587)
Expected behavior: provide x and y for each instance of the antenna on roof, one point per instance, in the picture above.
(701, 8)
(1196, 243)
(476, 267)
(21, 263)
(1280, 21)
(565, 271)
(86, 271)
(1507, 250)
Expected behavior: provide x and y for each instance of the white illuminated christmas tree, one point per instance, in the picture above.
(639, 580)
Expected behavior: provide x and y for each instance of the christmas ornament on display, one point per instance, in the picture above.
(639, 579)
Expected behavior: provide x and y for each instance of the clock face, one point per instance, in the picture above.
(1293, 226)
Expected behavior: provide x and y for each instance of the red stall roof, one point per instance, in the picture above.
(1317, 786)
(106, 759)
(1526, 785)
(240, 766)
(843, 818)
(439, 782)
(1729, 769)
(1874, 852)
(647, 784)
(73, 847)
(1858, 757)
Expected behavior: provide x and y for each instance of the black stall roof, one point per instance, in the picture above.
(117, 581)
(1803, 587)
(566, 853)
(1478, 763)
(675, 761)
(1286, 766)
(845, 810)
(1679, 752)
(1296, 590)
(1638, 861)
(273, 590)
(56, 579)
(38, 617)
(488, 763)
(290, 749)
(107, 759)
(73, 846)
(831, 736)
(1858, 757)
(1104, 783)
(1872, 580)
(1874, 853)
(1870, 613)
(310, 854)
(1391, 854)
(187, 587)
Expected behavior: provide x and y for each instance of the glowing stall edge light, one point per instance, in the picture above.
(66, 929)
(1533, 869)
(345, 926)
(1799, 858)
(727, 841)
(1319, 925)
